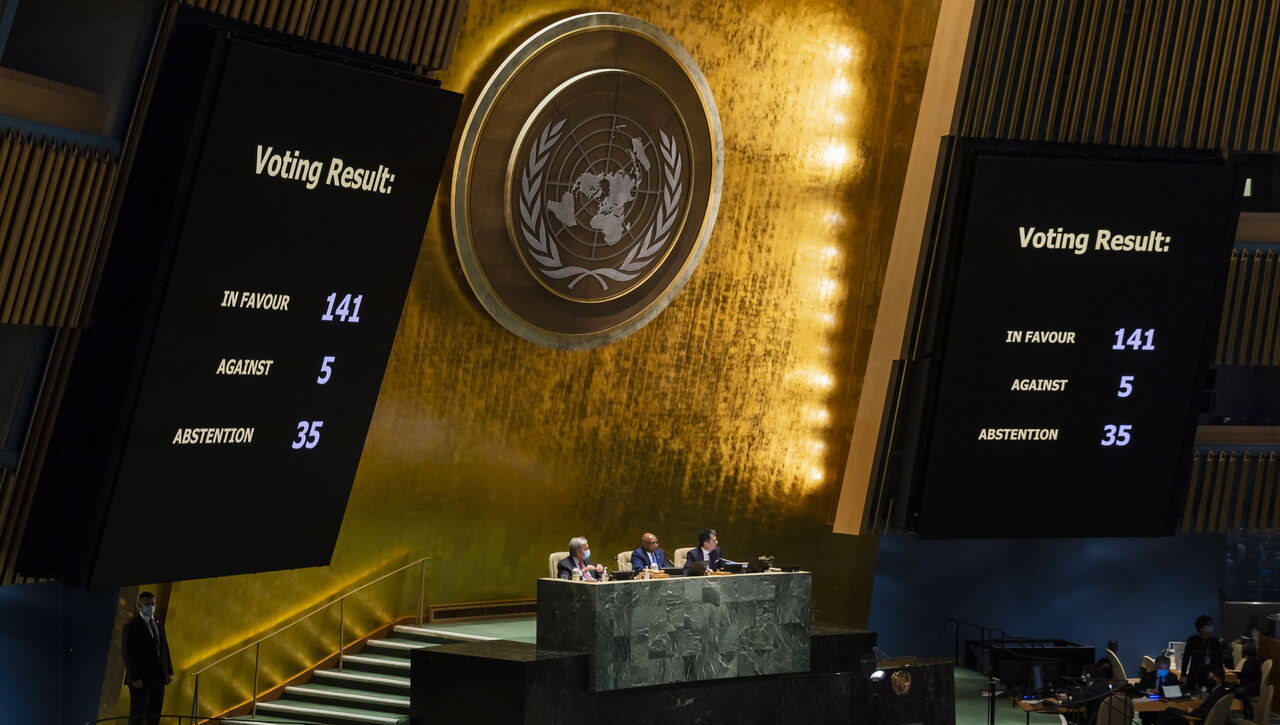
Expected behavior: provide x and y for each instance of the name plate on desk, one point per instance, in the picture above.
(682, 629)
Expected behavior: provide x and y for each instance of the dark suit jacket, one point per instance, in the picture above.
(697, 554)
(1148, 681)
(1193, 655)
(144, 658)
(1210, 700)
(564, 569)
(640, 558)
(1250, 679)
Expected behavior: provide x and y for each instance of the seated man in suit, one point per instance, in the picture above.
(1154, 679)
(1250, 675)
(1152, 682)
(648, 555)
(708, 551)
(1094, 687)
(1217, 691)
(579, 559)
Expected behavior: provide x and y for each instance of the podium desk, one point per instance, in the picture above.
(682, 629)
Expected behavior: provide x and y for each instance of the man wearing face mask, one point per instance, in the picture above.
(579, 559)
(147, 667)
(1152, 682)
(1202, 655)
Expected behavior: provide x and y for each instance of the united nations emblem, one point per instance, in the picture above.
(901, 682)
(587, 182)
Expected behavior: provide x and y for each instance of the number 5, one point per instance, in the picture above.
(326, 371)
(1126, 386)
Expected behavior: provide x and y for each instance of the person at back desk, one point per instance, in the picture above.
(648, 555)
(1250, 676)
(708, 550)
(1217, 691)
(1096, 688)
(1153, 682)
(1202, 655)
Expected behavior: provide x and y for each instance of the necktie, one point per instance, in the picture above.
(155, 635)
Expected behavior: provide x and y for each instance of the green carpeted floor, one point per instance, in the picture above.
(971, 705)
(524, 629)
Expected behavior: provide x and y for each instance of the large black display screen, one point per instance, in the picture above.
(261, 361)
(1069, 324)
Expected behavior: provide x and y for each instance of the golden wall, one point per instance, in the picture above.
(731, 410)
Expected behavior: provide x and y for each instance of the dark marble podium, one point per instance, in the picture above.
(520, 684)
(682, 629)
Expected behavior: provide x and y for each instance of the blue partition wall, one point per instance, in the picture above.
(54, 644)
(1141, 592)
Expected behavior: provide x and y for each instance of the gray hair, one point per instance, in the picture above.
(576, 544)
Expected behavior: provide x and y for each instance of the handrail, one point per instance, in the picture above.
(307, 616)
(986, 638)
(256, 645)
(182, 718)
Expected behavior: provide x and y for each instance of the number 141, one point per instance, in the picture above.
(1137, 339)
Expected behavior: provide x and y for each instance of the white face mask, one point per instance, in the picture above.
(586, 554)
(148, 610)
(1208, 629)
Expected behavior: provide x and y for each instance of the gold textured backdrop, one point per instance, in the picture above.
(731, 410)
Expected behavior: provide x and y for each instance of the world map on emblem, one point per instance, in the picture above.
(600, 184)
(607, 196)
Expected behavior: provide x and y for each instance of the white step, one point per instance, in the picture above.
(304, 710)
(398, 663)
(425, 632)
(360, 697)
(356, 678)
(397, 644)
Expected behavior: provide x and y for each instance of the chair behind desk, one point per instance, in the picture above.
(624, 561)
(1115, 710)
(556, 558)
(1262, 705)
(1117, 667)
(1220, 710)
(681, 555)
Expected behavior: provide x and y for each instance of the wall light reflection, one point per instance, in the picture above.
(835, 155)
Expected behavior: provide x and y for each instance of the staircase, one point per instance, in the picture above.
(371, 687)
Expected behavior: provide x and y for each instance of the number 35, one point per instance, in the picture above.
(1116, 435)
(309, 434)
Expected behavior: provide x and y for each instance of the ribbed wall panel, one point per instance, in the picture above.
(1164, 73)
(53, 199)
(1233, 492)
(418, 32)
(1249, 333)
(8, 522)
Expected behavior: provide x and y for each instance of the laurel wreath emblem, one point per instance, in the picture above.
(542, 247)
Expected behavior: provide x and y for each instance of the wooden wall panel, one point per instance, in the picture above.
(53, 198)
(418, 32)
(1165, 73)
(1249, 333)
(1232, 491)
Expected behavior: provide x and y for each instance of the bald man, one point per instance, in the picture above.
(648, 554)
